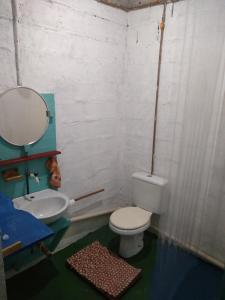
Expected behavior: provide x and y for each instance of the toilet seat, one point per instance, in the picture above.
(130, 219)
(130, 223)
(129, 232)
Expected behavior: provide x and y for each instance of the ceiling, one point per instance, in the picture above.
(134, 4)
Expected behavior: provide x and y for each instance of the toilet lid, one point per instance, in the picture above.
(130, 218)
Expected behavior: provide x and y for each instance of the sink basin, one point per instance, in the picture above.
(47, 205)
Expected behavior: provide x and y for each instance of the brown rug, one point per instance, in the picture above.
(108, 273)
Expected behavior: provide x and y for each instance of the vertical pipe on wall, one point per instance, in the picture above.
(162, 26)
(15, 38)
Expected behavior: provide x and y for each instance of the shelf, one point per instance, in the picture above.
(19, 160)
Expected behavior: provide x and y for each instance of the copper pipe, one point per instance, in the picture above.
(89, 194)
(162, 27)
(44, 249)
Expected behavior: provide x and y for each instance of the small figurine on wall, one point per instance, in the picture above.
(55, 176)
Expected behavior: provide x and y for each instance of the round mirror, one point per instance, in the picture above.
(23, 116)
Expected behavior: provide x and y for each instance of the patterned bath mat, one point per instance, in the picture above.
(108, 273)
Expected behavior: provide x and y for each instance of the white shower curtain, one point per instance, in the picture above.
(194, 201)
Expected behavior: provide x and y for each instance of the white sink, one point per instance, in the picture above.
(47, 205)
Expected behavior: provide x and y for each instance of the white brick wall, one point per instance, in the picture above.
(143, 41)
(103, 75)
(7, 54)
(76, 50)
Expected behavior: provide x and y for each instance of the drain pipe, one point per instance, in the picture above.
(92, 215)
(162, 27)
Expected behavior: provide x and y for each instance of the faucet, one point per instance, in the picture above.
(33, 175)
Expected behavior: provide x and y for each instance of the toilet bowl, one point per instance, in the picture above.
(131, 222)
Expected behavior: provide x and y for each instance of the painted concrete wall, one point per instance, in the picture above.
(103, 75)
(76, 50)
(7, 54)
(138, 105)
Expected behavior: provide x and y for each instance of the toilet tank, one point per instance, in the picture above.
(147, 191)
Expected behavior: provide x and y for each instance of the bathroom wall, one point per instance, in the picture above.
(7, 55)
(103, 74)
(76, 49)
(140, 83)
(140, 89)
(143, 41)
(141, 75)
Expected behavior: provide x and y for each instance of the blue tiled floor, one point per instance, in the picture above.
(168, 273)
(178, 275)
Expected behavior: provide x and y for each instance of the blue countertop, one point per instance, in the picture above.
(18, 225)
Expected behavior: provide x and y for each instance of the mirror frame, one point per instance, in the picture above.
(47, 114)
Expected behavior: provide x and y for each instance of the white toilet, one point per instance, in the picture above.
(131, 222)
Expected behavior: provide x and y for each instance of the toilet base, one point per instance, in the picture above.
(131, 241)
(131, 245)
